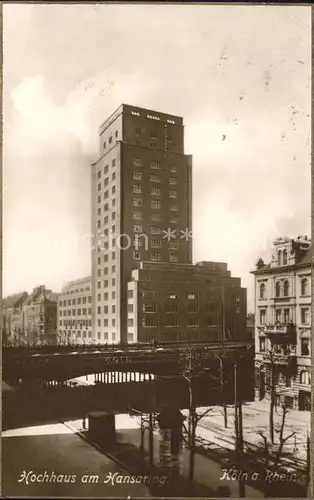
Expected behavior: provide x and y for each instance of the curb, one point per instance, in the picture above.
(97, 447)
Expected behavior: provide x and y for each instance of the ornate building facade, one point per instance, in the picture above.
(283, 324)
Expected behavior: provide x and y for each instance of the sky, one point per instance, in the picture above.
(238, 75)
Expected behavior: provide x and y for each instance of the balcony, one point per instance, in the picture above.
(281, 329)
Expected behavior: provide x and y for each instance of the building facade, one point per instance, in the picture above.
(75, 312)
(185, 302)
(40, 315)
(283, 323)
(13, 328)
(141, 188)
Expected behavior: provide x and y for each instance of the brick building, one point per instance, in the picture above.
(141, 184)
(171, 302)
(75, 311)
(283, 323)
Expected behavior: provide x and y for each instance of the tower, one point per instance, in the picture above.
(141, 208)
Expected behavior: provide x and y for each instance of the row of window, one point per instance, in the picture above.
(155, 204)
(137, 188)
(138, 174)
(284, 288)
(106, 193)
(155, 165)
(77, 290)
(282, 258)
(150, 294)
(155, 217)
(105, 322)
(154, 135)
(106, 205)
(106, 295)
(105, 269)
(77, 301)
(172, 321)
(285, 350)
(73, 323)
(284, 316)
(111, 139)
(75, 312)
(106, 257)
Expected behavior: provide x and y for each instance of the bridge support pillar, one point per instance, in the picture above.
(170, 422)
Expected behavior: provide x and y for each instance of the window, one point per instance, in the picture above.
(113, 322)
(286, 315)
(191, 296)
(173, 257)
(305, 378)
(105, 145)
(173, 181)
(106, 284)
(130, 308)
(137, 202)
(106, 181)
(174, 220)
(137, 162)
(137, 188)
(99, 199)
(106, 257)
(172, 321)
(130, 322)
(113, 255)
(147, 294)
(106, 219)
(113, 202)
(262, 291)
(113, 176)
(106, 309)
(155, 204)
(155, 191)
(286, 288)
(106, 169)
(155, 230)
(173, 245)
(116, 133)
(192, 321)
(305, 316)
(114, 162)
(137, 215)
(99, 211)
(110, 139)
(156, 256)
(149, 308)
(155, 217)
(149, 321)
(279, 258)
(284, 257)
(262, 344)
(172, 194)
(173, 207)
(105, 195)
(278, 289)
(288, 381)
(155, 243)
(137, 229)
(193, 308)
(278, 316)
(136, 255)
(113, 190)
(262, 316)
(172, 295)
(113, 281)
(137, 175)
(155, 165)
(106, 207)
(304, 286)
(154, 178)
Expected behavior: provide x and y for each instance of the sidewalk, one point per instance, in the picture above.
(208, 472)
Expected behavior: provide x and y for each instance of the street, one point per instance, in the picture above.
(54, 448)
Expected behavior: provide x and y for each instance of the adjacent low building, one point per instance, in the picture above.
(75, 312)
(185, 302)
(283, 323)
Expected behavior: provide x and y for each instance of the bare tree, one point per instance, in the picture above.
(192, 371)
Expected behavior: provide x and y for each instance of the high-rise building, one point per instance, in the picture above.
(141, 208)
(75, 312)
(283, 324)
